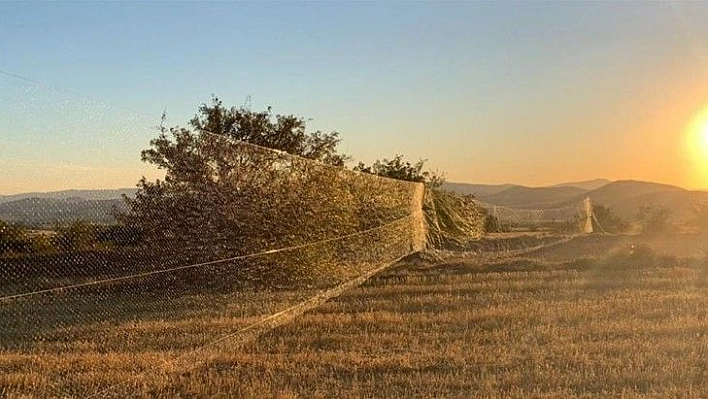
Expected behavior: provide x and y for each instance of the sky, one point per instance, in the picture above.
(532, 93)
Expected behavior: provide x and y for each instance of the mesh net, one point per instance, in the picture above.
(570, 217)
(110, 297)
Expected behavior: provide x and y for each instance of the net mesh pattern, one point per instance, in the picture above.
(110, 297)
(571, 212)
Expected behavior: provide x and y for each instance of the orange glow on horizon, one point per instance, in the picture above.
(697, 134)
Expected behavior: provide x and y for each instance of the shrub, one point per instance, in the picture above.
(608, 220)
(654, 219)
(700, 215)
(14, 238)
(118, 235)
(492, 224)
(453, 220)
(75, 236)
(638, 256)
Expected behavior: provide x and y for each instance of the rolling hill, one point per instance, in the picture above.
(623, 190)
(518, 194)
(68, 194)
(36, 211)
(624, 196)
(533, 197)
(587, 185)
(478, 190)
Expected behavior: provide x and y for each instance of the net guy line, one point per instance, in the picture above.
(196, 265)
(270, 322)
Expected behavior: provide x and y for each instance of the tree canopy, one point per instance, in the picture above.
(225, 189)
(398, 168)
(280, 132)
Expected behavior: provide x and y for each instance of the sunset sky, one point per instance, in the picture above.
(533, 93)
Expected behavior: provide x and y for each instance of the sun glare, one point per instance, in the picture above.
(698, 146)
(700, 132)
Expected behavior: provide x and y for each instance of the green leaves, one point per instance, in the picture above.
(398, 168)
(286, 133)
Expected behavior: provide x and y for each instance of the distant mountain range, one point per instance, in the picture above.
(624, 196)
(534, 197)
(69, 194)
(47, 209)
(478, 190)
(586, 185)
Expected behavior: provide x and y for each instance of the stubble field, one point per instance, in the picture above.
(593, 317)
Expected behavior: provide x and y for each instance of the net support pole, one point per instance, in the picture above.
(588, 216)
(419, 227)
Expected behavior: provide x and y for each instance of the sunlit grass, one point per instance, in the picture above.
(629, 324)
(557, 333)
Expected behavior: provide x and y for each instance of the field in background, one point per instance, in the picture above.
(555, 322)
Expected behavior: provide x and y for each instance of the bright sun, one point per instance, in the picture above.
(698, 147)
(698, 131)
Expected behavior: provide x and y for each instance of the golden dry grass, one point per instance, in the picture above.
(88, 352)
(546, 325)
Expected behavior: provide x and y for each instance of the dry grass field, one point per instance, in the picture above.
(126, 343)
(593, 317)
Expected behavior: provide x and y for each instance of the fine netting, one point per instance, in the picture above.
(103, 296)
(570, 217)
(461, 227)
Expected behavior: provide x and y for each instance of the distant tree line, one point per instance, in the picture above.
(17, 239)
(648, 219)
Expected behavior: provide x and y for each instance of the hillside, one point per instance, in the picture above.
(478, 190)
(68, 194)
(517, 196)
(623, 190)
(624, 196)
(681, 203)
(533, 197)
(586, 185)
(48, 211)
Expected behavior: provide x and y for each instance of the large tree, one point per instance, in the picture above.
(226, 191)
